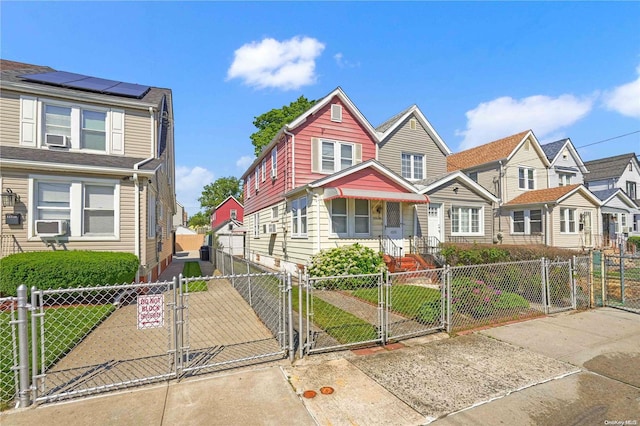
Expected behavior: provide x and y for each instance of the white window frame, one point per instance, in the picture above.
(256, 225)
(526, 217)
(350, 216)
(233, 214)
(75, 142)
(297, 216)
(274, 212)
(274, 162)
(632, 194)
(264, 169)
(247, 184)
(565, 219)
(257, 178)
(458, 209)
(564, 179)
(413, 162)
(76, 207)
(337, 154)
(529, 184)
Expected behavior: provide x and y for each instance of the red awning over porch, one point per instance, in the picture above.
(364, 194)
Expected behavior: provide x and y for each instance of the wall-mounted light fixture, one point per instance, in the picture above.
(9, 198)
(455, 189)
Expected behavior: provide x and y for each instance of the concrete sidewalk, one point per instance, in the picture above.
(177, 265)
(576, 368)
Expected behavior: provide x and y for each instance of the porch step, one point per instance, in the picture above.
(408, 263)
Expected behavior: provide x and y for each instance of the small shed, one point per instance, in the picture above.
(230, 235)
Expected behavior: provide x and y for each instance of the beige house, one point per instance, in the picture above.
(530, 211)
(87, 164)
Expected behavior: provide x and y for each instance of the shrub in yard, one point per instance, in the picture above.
(65, 269)
(635, 240)
(475, 254)
(429, 312)
(354, 259)
(510, 301)
(478, 298)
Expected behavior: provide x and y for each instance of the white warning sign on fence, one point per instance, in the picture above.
(150, 311)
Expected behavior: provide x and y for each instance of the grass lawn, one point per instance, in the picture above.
(192, 269)
(339, 324)
(405, 299)
(64, 329)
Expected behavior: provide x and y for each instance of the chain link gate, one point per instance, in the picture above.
(621, 278)
(559, 286)
(89, 340)
(9, 385)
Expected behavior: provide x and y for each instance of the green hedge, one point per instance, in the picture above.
(65, 269)
(476, 254)
(635, 240)
(353, 259)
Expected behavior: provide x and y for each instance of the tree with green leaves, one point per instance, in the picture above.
(199, 219)
(270, 122)
(218, 191)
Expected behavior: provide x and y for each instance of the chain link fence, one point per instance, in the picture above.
(583, 272)
(8, 352)
(622, 282)
(342, 311)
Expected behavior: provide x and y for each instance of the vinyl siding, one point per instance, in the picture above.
(418, 141)
(10, 122)
(504, 226)
(271, 191)
(137, 134)
(561, 162)
(488, 178)
(574, 240)
(523, 158)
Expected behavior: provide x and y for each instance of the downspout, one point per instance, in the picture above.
(293, 156)
(546, 225)
(500, 176)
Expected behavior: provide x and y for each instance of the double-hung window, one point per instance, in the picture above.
(299, 217)
(89, 207)
(256, 225)
(526, 222)
(525, 178)
(350, 217)
(257, 178)
(567, 221)
(631, 190)
(564, 179)
(57, 121)
(264, 169)
(94, 130)
(412, 166)
(335, 156)
(274, 162)
(467, 220)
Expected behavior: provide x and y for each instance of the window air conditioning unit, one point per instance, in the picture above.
(273, 174)
(626, 229)
(51, 228)
(56, 140)
(273, 228)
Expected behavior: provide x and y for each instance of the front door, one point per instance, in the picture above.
(435, 222)
(393, 223)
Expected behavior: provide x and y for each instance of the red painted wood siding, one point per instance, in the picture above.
(321, 126)
(223, 213)
(369, 179)
(271, 191)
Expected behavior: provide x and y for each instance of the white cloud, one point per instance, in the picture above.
(505, 116)
(343, 63)
(625, 99)
(244, 162)
(189, 185)
(286, 65)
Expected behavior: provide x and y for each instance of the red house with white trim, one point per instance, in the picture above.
(230, 208)
(318, 185)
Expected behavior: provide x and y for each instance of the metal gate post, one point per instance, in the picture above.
(381, 308)
(448, 280)
(543, 272)
(300, 329)
(289, 311)
(603, 274)
(24, 394)
(572, 283)
(621, 274)
(177, 354)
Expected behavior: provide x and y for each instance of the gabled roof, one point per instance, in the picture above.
(235, 223)
(389, 126)
(227, 199)
(607, 195)
(429, 185)
(502, 149)
(610, 167)
(367, 164)
(553, 149)
(552, 195)
(302, 118)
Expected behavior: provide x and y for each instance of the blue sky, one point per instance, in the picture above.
(478, 71)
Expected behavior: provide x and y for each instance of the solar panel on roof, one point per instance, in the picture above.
(85, 82)
(56, 77)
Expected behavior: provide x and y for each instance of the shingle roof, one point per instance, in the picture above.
(63, 156)
(387, 124)
(6, 65)
(492, 151)
(605, 193)
(539, 196)
(606, 168)
(552, 149)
